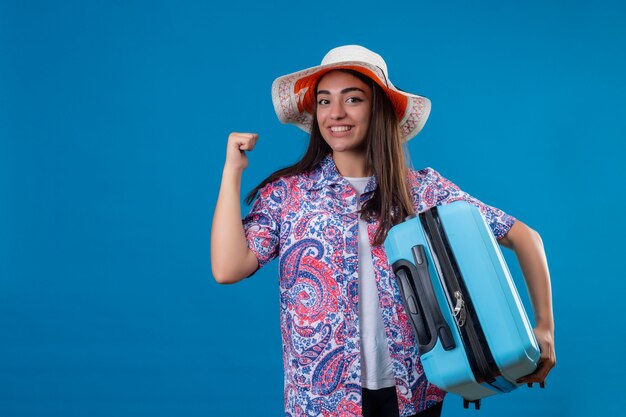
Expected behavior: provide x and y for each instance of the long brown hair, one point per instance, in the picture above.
(391, 202)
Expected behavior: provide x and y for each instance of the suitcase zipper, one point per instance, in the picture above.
(478, 353)
(459, 312)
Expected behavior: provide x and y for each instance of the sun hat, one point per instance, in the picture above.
(294, 96)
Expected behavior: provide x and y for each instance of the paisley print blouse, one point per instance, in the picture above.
(309, 222)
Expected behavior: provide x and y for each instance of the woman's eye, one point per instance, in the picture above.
(322, 102)
(354, 100)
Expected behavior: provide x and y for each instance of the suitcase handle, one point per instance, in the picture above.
(421, 303)
(413, 307)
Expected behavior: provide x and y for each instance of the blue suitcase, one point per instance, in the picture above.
(474, 336)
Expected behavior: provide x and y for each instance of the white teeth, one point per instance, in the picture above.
(340, 128)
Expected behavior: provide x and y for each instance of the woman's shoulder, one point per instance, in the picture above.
(424, 175)
(293, 182)
(282, 185)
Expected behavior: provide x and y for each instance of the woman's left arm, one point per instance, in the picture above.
(528, 247)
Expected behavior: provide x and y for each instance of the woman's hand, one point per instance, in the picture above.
(238, 143)
(547, 360)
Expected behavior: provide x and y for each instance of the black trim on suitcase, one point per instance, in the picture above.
(478, 353)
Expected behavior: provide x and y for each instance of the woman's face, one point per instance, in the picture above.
(343, 111)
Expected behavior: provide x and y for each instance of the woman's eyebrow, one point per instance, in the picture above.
(344, 91)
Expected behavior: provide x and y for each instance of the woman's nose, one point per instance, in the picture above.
(336, 110)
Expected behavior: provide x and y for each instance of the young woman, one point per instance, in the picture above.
(348, 348)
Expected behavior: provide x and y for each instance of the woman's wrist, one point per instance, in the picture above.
(547, 325)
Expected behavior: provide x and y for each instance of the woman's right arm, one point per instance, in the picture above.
(231, 259)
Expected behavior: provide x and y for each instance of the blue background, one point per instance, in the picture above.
(113, 123)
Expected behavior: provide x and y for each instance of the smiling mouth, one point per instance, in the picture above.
(338, 129)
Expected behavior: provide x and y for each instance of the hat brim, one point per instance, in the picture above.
(293, 96)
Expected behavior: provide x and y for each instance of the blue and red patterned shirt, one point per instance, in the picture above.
(310, 222)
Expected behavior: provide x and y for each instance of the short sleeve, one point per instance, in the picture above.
(262, 224)
(447, 192)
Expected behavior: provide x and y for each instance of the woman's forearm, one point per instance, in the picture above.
(528, 247)
(530, 253)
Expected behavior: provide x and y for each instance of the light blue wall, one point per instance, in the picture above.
(113, 121)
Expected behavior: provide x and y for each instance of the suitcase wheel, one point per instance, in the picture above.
(476, 403)
(541, 384)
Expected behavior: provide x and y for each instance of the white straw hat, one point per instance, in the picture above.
(294, 96)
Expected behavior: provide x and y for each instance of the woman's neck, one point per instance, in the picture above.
(350, 164)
